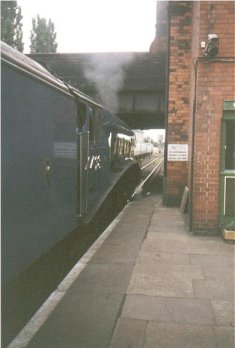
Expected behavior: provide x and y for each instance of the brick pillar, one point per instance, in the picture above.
(180, 36)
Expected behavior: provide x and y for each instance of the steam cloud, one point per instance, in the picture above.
(107, 73)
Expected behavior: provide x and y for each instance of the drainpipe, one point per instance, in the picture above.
(166, 105)
(193, 145)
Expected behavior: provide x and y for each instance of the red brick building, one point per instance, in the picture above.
(200, 118)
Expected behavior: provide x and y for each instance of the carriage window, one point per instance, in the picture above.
(95, 130)
(115, 147)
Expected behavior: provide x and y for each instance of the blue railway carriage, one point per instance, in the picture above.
(62, 154)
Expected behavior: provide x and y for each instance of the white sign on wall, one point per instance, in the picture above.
(177, 152)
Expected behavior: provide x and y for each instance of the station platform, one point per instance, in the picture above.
(145, 283)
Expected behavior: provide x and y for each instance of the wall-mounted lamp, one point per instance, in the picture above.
(211, 48)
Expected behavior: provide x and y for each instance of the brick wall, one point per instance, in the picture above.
(198, 124)
(215, 84)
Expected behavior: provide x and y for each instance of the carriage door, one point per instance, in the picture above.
(227, 167)
(83, 153)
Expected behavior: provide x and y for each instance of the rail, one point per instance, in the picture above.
(154, 160)
(138, 190)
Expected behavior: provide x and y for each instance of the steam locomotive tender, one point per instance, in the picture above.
(62, 154)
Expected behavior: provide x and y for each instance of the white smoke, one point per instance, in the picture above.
(107, 73)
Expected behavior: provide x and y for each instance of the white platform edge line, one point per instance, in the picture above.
(42, 314)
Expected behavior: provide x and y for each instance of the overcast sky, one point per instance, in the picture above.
(94, 25)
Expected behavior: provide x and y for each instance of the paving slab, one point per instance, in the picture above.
(173, 222)
(82, 321)
(225, 337)
(220, 272)
(127, 235)
(207, 246)
(141, 215)
(224, 312)
(103, 278)
(169, 227)
(226, 248)
(116, 253)
(129, 333)
(147, 256)
(166, 235)
(150, 252)
(215, 290)
(218, 260)
(169, 245)
(141, 210)
(169, 335)
(146, 308)
(191, 311)
(173, 271)
(163, 287)
(139, 222)
(161, 210)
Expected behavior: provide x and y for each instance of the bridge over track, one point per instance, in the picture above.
(131, 84)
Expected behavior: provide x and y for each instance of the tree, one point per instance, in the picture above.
(11, 26)
(43, 36)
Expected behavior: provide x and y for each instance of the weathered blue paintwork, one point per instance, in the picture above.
(54, 171)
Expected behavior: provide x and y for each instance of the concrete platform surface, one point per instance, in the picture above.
(147, 283)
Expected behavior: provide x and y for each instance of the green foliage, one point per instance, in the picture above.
(11, 26)
(43, 36)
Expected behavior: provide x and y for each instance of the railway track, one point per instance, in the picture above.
(156, 159)
(150, 171)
